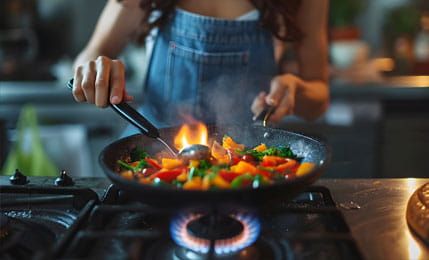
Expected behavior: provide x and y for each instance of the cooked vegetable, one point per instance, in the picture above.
(231, 166)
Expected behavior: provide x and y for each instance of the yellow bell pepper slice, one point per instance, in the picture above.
(304, 168)
(206, 182)
(193, 163)
(220, 182)
(168, 163)
(193, 184)
(128, 175)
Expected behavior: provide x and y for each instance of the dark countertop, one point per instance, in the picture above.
(379, 224)
(399, 87)
(391, 88)
(41, 92)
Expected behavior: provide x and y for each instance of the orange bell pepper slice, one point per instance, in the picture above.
(244, 167)
(260, 148)
(228, 143)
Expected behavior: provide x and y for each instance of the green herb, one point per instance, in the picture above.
(126, 166)
(287, 152)
(204, 165)
(195, 171)
(138, 154)
(217, 168)
(143, 164)
(177, 183)
(238, 182)
(283, 152)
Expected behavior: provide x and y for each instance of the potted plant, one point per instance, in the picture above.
(400, 28)
(346, 49)
(342, 16)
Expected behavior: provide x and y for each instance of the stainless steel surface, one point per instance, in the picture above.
(379, 224)
(195, 152)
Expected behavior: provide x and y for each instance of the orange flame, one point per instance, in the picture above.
(191, 134)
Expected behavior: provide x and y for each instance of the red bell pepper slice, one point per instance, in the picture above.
(153, 163)
(288, 164)
(168, 175)
(272, 160)
(228, 176)
(265, 172)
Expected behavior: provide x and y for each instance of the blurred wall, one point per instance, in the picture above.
(65, 26)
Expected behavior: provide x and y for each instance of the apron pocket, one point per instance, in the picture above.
(210, 82)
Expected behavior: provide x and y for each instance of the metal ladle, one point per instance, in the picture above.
(192, 152)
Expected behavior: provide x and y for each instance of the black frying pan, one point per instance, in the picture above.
(310, 149)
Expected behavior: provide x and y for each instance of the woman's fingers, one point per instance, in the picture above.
(117, 82)
(282, 96)
(102, 81)
(77, 85)
(88, 81)
(258, 104)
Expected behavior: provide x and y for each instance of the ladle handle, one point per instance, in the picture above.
(131, 115)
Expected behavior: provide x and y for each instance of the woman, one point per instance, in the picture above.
(213, 60)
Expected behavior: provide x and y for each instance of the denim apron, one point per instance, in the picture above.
(207, 69)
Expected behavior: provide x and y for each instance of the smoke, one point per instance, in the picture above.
(225, 100)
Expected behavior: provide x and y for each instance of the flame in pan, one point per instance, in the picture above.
(191, 134)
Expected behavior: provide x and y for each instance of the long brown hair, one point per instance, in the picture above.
(276, 16)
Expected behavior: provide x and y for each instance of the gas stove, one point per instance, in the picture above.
(66, 219)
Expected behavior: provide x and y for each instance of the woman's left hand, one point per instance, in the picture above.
(282, 97)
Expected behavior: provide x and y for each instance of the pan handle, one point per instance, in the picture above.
(131, 115)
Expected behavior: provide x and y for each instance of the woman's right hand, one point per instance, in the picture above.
(100, 82)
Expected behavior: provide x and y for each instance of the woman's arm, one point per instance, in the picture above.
(95, 69)
(312, 96)
(305, 94)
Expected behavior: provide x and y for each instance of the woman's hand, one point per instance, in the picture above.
(282, 97)
(100, 81)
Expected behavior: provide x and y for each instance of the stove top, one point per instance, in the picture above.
(69, 222)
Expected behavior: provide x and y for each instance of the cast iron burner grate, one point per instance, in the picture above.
(309, 227)
(35, 219)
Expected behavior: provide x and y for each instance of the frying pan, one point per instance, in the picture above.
(310, 149)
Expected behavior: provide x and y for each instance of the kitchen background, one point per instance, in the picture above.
(377, 124)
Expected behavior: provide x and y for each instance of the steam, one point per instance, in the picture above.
(224, 100)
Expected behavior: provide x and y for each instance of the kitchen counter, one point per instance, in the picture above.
(374, 209)
(391, 88)
(404, 87)
(379, 224)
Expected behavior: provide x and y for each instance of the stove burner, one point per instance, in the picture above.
(224, 234)
(226, 227)
(20, 239)
(3, 226)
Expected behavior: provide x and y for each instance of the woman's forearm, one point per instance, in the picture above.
(114, 29)
(311, 99)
